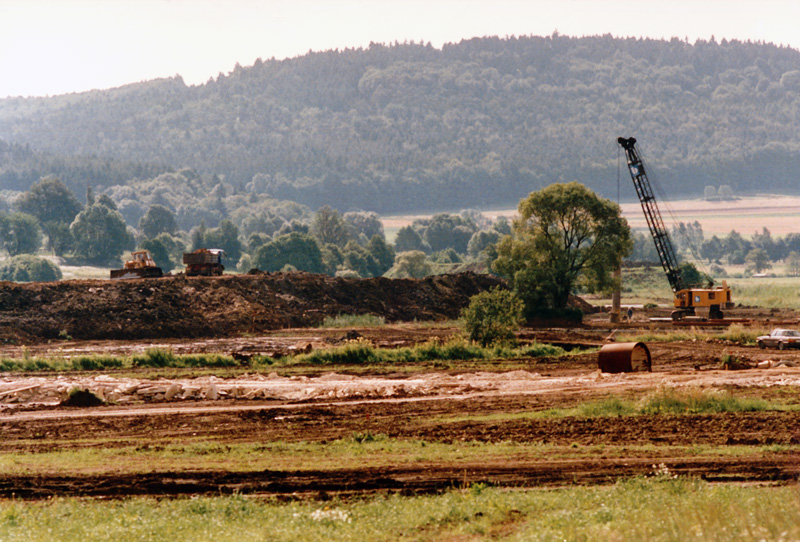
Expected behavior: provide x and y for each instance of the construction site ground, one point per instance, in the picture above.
(455, 403)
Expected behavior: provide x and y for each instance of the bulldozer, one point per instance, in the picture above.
(140, 266)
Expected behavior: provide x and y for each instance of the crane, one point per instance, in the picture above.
(687, 297)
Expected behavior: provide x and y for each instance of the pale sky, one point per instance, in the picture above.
(50, 47)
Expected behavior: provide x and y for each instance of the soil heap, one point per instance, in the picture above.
(186, 307)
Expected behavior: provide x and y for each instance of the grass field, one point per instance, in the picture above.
(779, 214)
(659, 507)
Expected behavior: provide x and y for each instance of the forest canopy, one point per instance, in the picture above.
(408, 127)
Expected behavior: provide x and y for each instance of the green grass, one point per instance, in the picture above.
(355, 352)
(776, 292)
(353, 320)
(153, 357)
(644, 285)
(361, 351)
(655, 508)
(96, 457)
(662, 401)
(735, 334)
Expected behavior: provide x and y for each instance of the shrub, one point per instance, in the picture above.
(28, 268)
(493, 316)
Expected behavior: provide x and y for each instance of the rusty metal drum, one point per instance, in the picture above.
(624, 358)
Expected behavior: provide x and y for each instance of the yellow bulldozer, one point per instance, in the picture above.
(140, 266)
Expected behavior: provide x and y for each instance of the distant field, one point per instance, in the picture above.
(779, 214)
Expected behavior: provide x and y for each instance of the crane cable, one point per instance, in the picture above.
(661, 196)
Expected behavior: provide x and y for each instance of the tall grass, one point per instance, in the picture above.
(153, 357)
(353, 320)
(736, 334)
(355, 352)
(779, 293)
(361, 351)
(659, 508)
(670, 401)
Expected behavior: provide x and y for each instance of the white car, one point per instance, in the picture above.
(780, 339)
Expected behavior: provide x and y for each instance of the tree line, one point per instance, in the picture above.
(49, 219)
(757, 253)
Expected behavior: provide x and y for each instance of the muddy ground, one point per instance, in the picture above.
(447, 402)
(322, 406)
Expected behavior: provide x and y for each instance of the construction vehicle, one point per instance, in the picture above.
(206, 262)
(688, 298)
(140, 266)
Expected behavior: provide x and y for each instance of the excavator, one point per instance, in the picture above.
(140, 266)
(688, 298)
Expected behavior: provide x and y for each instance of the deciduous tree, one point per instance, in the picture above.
(101, 235)
(157, 219)
(298, 250)
(20, 233)
(49, 200)
(565, 235)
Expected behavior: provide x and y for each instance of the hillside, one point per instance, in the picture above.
(408, 127)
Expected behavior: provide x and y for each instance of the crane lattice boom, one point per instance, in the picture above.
(666, 252)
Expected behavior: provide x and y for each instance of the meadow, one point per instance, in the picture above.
(658, 507)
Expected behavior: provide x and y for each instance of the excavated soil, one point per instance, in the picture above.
(456, 402)
(189, 307)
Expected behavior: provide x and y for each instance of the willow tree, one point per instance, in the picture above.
(565, 236)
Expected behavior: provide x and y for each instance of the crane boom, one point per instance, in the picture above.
(666, 252)
(687, 298)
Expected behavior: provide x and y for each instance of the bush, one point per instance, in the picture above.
(493, 316)
(28, 268)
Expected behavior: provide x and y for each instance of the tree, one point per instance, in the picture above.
(411, 264)
(565, 235)
(383, 253)
(449, 231)
(20, 233)
(101, 235)
(694, 277)
(296, 249)
(49, 200)
(757, 260)
(712, 249)
(59, 238)
(480, 240)
(493, 316)
(106, 200)
(167, 251)
(157, 219)
(644, 249)
(329, 227)
(364, 223)
(726, 192)
(226, 237)
(688, 236)
(793, 264)
(409, 240)
(29, 268)
(765, 241)
(358, 259)
(198, 236)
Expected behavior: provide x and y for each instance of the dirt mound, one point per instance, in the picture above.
(186, 307)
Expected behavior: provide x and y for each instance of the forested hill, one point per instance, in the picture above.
(409, 127)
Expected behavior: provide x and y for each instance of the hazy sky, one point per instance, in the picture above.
(50, 47)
